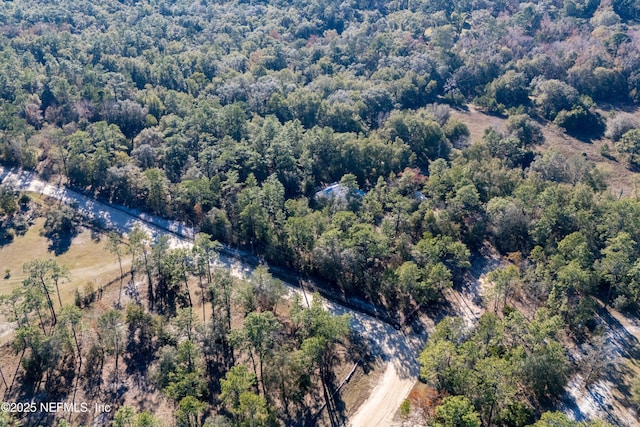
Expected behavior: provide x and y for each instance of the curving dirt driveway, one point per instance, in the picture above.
(398, 349)
(400, 352)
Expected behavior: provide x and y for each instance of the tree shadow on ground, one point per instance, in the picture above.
(336, 407)
(60, 227)
(619, 351)
(12, 228)
(5, 238)
(360, 352)
(96, 235)
(60, 243)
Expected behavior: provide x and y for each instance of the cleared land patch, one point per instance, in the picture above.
(619, 178)
(86, 259)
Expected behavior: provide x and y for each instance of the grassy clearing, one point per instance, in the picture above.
(621, 181)
(477, 121)
(86, 259)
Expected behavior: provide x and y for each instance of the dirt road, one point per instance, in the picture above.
(399, 349)
(378, 410)
(109, 217)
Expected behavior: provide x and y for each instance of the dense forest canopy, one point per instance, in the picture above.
(231, 115)
(234, 115)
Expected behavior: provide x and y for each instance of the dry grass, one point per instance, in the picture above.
(422, 403)
(477, 121)
(86, 259)
(619, 178)
(357, 390)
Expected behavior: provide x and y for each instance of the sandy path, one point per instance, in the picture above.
(384, 400)
(605, 398)
(110, 217)
(400, 351)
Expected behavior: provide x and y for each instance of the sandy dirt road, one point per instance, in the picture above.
(378, 410)
(109, 217)
(399, 349)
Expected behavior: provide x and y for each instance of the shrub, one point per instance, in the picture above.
(619, 125)
(605, 151)
(405, 408)
(579, 121)
(629, 142)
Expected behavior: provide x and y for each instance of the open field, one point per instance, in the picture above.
(86, 259)
(618, 177)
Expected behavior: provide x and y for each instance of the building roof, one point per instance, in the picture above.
(336, 190)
